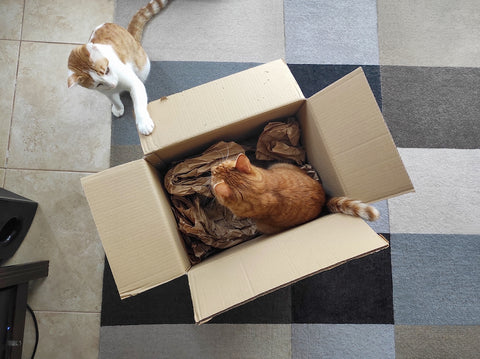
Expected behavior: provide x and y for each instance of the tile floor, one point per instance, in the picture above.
(50, 137)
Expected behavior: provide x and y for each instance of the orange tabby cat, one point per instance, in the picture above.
(113, 61)
(277, 198)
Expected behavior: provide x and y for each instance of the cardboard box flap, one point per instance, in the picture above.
(356, 155)
(206, 108)
(136, 225)
(266, 263)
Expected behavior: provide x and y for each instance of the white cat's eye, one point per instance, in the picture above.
(107, 70)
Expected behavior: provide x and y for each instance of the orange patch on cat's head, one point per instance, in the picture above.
(79, 66)
(221, 173)
(81, 63)
(234, 184)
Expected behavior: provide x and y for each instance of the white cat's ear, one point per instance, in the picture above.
(243, 164)
(72, 80)
(90, 46)
(94, 51)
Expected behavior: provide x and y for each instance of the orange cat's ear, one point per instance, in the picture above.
(243, 164)
(72, 80)
(222, 190)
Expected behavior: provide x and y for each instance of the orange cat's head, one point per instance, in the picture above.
(88, 68)
(237, 184)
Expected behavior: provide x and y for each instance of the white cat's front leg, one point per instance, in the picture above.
(142, 117)
(117, 105)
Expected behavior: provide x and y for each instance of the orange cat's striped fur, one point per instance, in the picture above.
(277, 198)
(113, 61)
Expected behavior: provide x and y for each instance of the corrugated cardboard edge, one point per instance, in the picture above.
(387, 245)
(348, 108)
(214, 105)
(327, 160)
(136, 226)
(200, 280)
(196, 145)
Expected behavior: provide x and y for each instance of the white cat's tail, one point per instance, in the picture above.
(136, 25)
(353, 208)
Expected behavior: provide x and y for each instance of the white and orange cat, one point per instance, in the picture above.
(113, 61)
(279, 197)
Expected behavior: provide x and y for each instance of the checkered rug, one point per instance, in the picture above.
(418, 299)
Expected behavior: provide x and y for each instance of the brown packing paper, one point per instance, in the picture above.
(192, 176)
(206, 225)
(209, 226)
(281, 141)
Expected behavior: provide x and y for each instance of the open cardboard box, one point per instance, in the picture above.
(346, 140)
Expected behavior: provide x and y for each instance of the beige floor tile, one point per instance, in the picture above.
(11, 13)
(8, 71)
(64, 233)
(2, 177)
(429, 33)
(64, 20)
(63, 335)
(55, 127)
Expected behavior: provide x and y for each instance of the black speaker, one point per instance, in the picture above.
(16, 216)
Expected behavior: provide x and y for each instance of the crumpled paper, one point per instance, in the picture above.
(206, 225)
(209, 226)
(281, 141)
(192, 176)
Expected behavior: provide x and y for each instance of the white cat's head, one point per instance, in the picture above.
(89, 68)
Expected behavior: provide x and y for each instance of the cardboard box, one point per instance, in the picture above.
(346, 140)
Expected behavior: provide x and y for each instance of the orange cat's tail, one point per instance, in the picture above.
(143, 16)
(353, 208)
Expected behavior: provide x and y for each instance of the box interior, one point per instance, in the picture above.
(349, 144)
(137, 227)
(224, 109)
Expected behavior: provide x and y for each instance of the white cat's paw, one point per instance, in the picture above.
(145, 125)
(118, 111)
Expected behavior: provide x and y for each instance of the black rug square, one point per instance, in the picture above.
(171, 303)
(357, 292)
(313, 78)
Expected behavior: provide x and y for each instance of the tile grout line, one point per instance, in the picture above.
(52, 42)
(14, 95)
(64, 312)
(51, 170)
(5, 163)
